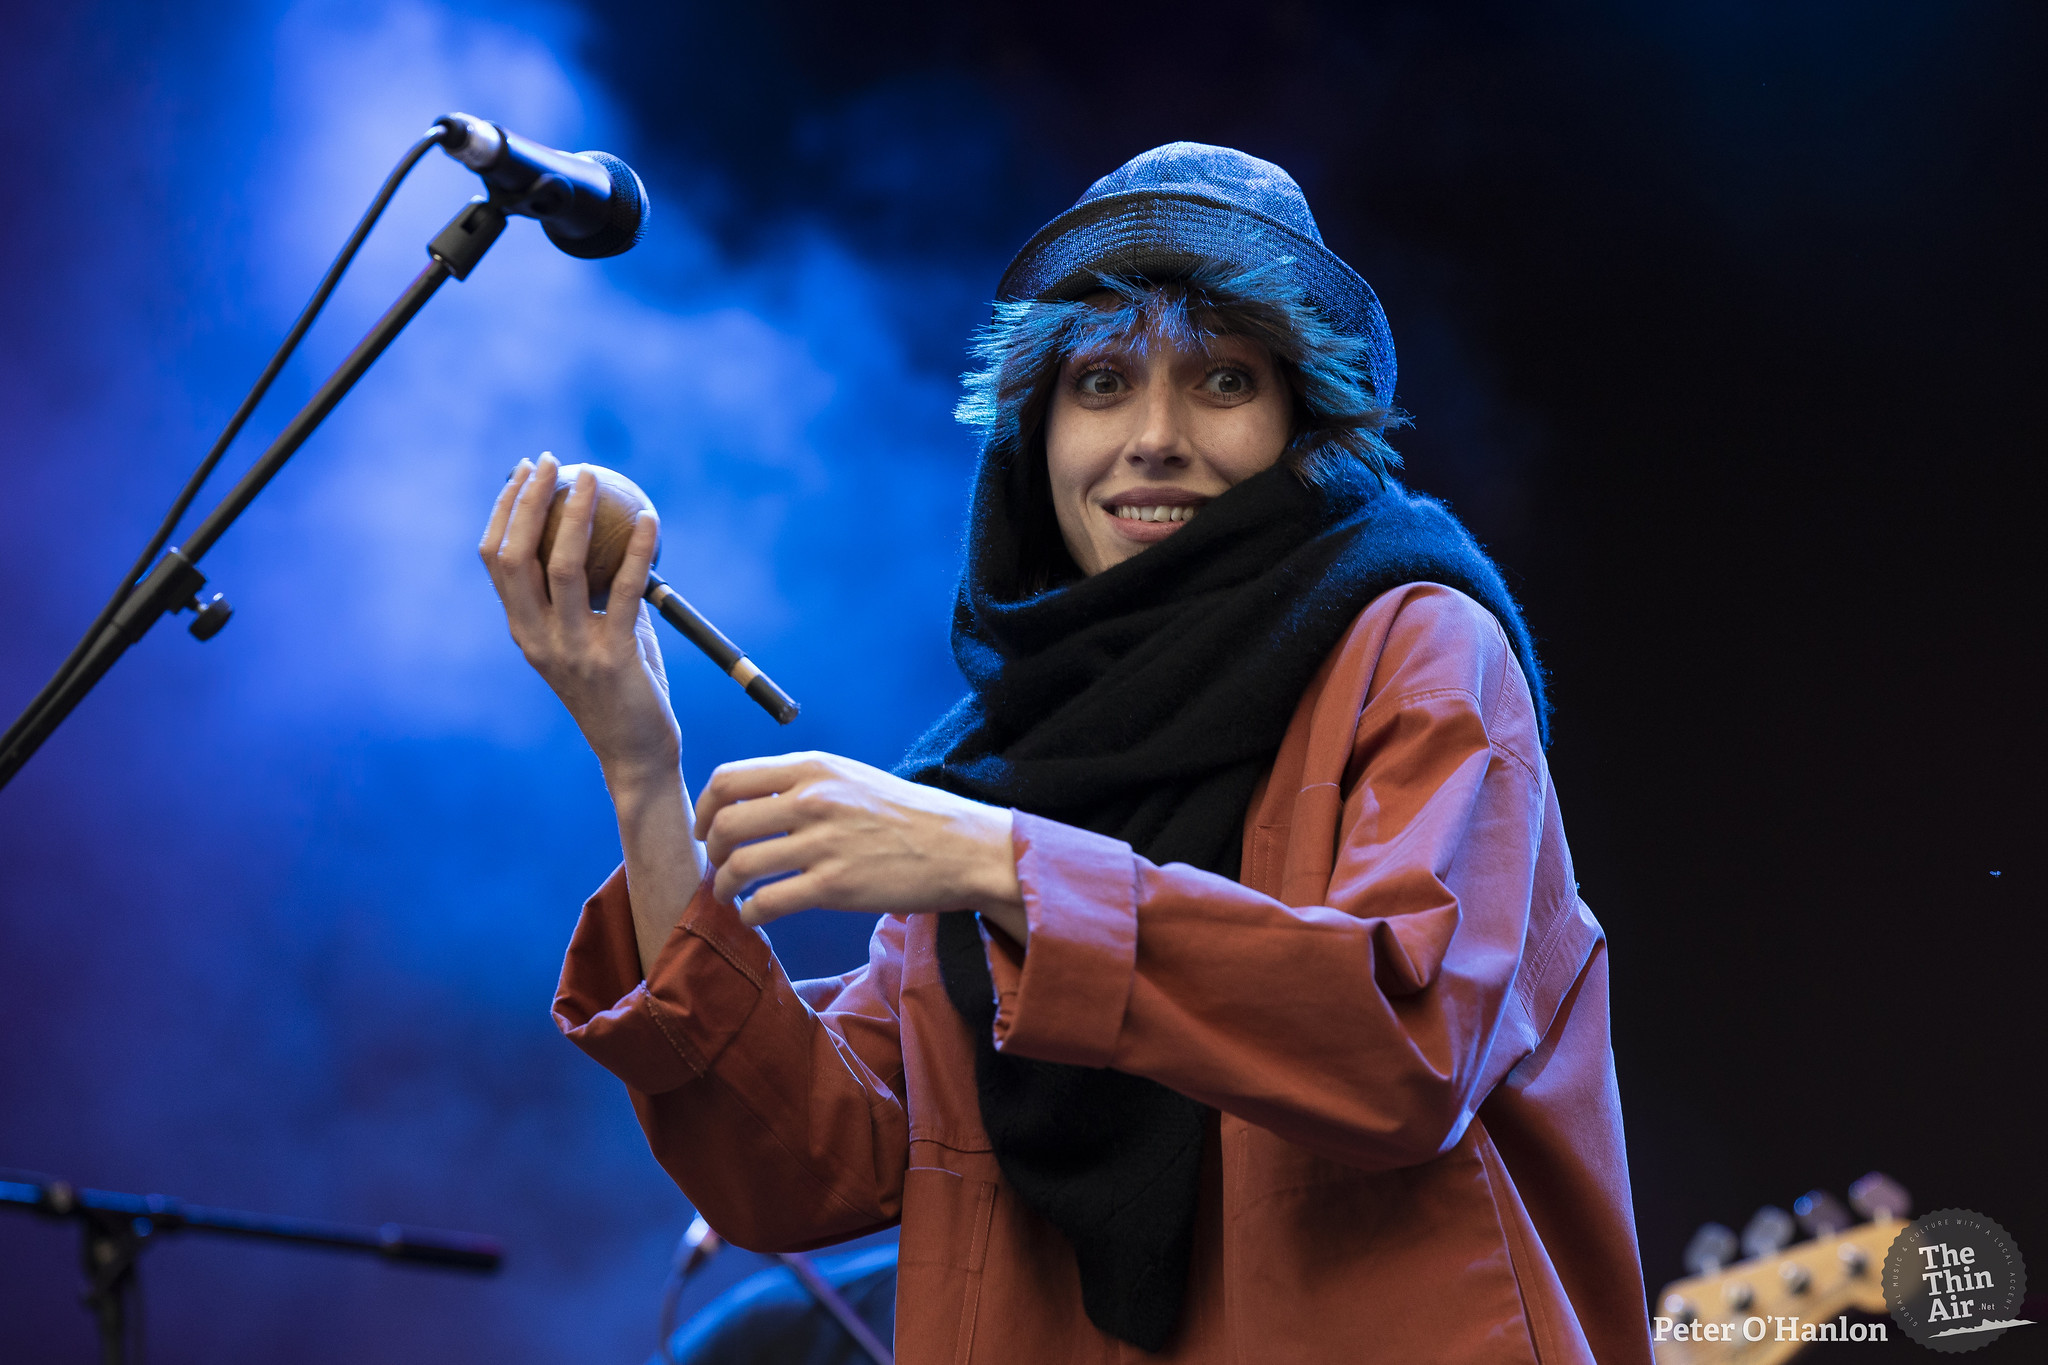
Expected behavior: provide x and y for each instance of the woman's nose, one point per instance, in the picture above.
(1161, 440)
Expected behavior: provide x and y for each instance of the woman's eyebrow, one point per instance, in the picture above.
(1237, 351)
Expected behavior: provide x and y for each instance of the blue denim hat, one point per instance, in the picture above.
(1169, 210)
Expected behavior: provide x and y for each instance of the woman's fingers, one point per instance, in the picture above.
(515, 568)
(501, 512)
(844, 836)
(753, 778)
(772, 857)
(568, 584)
(743, 822)
(521, 545)
(630, 582)
(777, 899)
(516, 577)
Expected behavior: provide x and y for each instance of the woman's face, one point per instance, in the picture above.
(1137, 443)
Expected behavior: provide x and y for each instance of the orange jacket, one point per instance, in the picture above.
(1401, 1015)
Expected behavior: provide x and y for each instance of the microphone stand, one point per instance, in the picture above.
(173, 584)
(114, 1229)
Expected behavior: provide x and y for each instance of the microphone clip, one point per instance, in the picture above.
(173, 585)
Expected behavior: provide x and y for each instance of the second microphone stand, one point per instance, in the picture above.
(117, 1227)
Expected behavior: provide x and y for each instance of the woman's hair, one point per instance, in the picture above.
(1338, 423)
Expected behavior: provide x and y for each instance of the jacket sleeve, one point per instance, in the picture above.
(1359, 1028)
(775, 1106)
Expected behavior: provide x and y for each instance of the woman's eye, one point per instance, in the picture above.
(1100, 383)
(1228, 383)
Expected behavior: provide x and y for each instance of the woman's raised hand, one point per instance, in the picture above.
(844, 836)
(605, 666)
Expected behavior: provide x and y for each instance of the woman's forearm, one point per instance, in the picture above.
(664, 860)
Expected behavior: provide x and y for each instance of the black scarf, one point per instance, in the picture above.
(1144, 703)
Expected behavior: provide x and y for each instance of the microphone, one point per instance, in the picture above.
(590, 204)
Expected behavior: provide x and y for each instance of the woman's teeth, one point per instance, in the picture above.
(1129, 512)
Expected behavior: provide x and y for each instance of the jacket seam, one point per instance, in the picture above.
(692, 1057)
(951, 1146)
(1500, 695)
(1409, 698)
(1511, 1242)
(719, 947)
(1539, 966)
(1524, 764)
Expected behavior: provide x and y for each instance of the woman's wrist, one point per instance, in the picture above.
(643, 780)
(664, 861)
(996, 894)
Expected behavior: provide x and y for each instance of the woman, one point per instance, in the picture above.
(1233, 1000)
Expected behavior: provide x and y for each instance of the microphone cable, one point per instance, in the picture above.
(22, 723)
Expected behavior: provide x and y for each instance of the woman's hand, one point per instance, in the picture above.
(605, 666)
(853, 837)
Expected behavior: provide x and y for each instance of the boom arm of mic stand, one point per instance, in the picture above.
(173, 584)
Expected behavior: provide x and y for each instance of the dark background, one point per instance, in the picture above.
(1718, 324)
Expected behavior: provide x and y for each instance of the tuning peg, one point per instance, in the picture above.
(1877, 1195)
(1768, 1232)
(1821, 1214)
(1712, 1247)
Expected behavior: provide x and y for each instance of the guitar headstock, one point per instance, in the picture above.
(1753, 1312)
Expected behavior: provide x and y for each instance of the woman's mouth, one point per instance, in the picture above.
(1148, 521)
